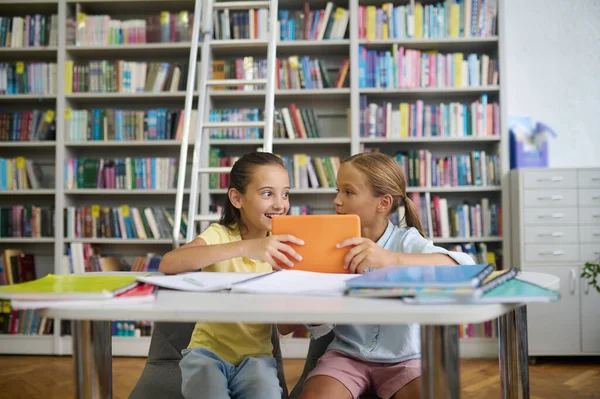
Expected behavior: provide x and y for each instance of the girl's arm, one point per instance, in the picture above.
(439, 259)
(196, 255)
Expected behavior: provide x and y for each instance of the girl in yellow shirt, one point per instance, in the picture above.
(236, 360)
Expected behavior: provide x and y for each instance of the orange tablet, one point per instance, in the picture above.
(320, 234)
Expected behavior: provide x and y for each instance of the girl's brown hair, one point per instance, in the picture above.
(239, 178)
(386, 177)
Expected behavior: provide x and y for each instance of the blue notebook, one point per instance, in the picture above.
(455, 276)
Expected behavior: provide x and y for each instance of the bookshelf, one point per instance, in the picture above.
(338, 112)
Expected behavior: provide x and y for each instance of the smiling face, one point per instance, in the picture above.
(355, 196)
(266, 196)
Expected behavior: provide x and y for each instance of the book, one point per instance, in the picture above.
(454, 276)
(509, 291)
(199, 281)
(69, 287)
(443, 294)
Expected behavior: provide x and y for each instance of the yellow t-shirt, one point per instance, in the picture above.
(232, 341)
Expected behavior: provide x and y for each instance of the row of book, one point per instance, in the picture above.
(477, 119)
(241, 24)
(103, 30)
(17, 267)
(405, 68)
(235, 115)
(120, 76)
(23, 322)
(27, 221)
(28, 78)
(423, 169)
(32, 125)
(121, 173)
(441, 219)
(33, 30)
(100, 124)
(133, 329)
(20, 174)
(83, 257)
(293, 122)
(311, 172)
(307, 24)
(304, 73)
(120, 222)
(451, 19)
(246, 68)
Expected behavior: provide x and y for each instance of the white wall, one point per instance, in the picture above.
(552, 73)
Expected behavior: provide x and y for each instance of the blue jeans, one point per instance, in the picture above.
(204, 374)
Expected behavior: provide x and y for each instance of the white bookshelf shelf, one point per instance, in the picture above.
(124, 241)
(20, 344)
(27, 144)
(458, 240)
(129, 50)
(292, 191)
(124, 143)
(27, 97)
(121, 346)
(164, 95)
(24, 52)
(27, 240)
(42, 191)
(447, 44)
(289, 94)
(282, 142)
(100, 191)
(431, 140)
(458, 189)
(428, 92)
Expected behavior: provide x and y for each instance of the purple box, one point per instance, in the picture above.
(530, 158)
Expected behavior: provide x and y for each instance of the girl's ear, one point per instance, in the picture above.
(235, 197)
(385, 203)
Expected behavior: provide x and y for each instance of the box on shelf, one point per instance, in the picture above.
(528, 142)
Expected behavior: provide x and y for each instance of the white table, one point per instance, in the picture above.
(439, 331)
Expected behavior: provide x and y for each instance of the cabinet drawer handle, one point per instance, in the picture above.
(553, 253)
(553, 234)
(595, 178)
(586, 287)
(596, 215)
(596, 197)
(551, 198)
(572, 282)
(554, 179)
(596, 234)
(552, 216)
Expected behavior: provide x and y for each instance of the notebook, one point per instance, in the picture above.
(454, 276)
(321, 234)
(511, 291)
(438, 293)
(199, 281)
(69, 287)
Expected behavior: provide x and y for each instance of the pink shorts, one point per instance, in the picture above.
(358, 376)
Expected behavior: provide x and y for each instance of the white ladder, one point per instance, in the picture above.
(200, 162)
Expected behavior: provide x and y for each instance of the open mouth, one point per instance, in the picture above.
(272, 215)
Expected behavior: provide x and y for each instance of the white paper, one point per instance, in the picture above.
(296, 282)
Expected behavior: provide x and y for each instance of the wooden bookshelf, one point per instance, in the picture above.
(340, 136)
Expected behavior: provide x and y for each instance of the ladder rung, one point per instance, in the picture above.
(241, 5)
(207, 218)
(235, 82)
(225, 125)
(223, 169)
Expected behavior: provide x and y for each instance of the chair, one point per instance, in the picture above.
(316, 349)
(161, 378)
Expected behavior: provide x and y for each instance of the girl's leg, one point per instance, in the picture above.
(324, 387)
(256, 377)
(204, 375)
(412, 390)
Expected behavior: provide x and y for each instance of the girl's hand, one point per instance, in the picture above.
(365, 253)
(272, 248)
